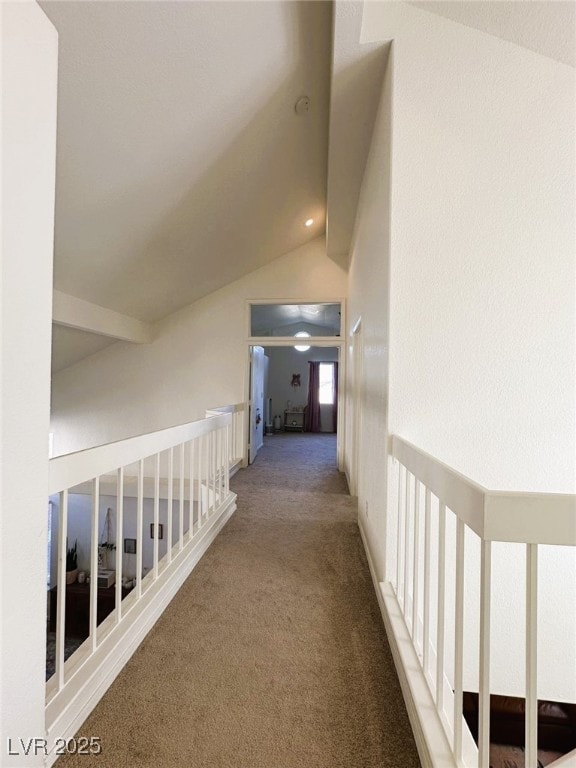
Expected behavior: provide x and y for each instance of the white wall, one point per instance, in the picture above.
(29, 71)
(79, 530)
(480, 195)
(286, 361)
(198, 359)
(482, 364)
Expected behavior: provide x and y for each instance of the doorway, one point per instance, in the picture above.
(300, 394)
(256, 415)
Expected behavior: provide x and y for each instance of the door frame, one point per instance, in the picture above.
(339, 342)
(356, 404)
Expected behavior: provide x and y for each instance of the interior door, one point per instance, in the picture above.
(256, 431)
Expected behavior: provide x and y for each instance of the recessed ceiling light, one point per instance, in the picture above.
(308, 222)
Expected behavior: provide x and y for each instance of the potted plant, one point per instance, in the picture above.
(71, 563)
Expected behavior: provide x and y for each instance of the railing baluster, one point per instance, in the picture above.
(459, 639)
(440, 611)
(94, 565)
(61, 603)
(220, 463)
(406, 548)
(228, 459)
(119, 539)
(191, 510)
(139, 524)
(416, 564)
(426, 628)
(156, 516)
(181, 507)
(169, 505)
(204, 494)
(198, 450)
(399, 533)
(217, 467)
(531, 655)
(484, 673)
(213, 467)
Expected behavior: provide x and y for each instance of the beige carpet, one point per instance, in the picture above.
(273, 653)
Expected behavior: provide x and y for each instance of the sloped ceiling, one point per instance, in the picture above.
(547, 27)
(181, 162)
(70, 345)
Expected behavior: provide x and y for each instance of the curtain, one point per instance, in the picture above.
(313, 407)
(335, 398)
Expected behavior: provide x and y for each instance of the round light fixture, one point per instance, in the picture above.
(302, 335)
(308, 222)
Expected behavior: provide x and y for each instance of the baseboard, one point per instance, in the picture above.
(69, 709)
(431, 743)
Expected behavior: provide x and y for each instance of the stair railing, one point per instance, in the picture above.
(177, 480)
(428, 562)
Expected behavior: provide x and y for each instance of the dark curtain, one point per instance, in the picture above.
(335, 398)
(313, 407)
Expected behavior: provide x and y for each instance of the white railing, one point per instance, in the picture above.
(173, 483)
(238, 436)
(427, 582)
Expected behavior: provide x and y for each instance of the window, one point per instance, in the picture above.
(326, 387)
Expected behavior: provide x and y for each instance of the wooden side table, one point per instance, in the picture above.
(294, 421)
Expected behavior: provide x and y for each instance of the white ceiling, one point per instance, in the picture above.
(181, 163)
(547, 27)
(357, 71)
(69, 346)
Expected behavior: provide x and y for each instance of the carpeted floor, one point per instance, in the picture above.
(273, 653)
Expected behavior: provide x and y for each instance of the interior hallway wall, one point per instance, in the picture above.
(198, 359)
(29, 46)
(472, 283)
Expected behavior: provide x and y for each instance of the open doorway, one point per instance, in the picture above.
(300, 385)
(302, 389)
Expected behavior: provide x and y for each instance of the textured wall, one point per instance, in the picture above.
(198, 360)
(479, 303)
(29, 77)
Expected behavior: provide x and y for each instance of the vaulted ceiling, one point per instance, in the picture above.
(182, 163)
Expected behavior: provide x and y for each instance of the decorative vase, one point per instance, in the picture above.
(71, 576)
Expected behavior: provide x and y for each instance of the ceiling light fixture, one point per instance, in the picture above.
(308, 222)
(302, 335)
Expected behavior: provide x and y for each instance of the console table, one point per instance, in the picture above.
(294, 421)
(78, 607)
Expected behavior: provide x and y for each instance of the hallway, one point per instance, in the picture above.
(273, 654)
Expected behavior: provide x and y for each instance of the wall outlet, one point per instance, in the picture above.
(366, 507)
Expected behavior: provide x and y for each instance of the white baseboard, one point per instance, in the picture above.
(431, 743)
(66, 712)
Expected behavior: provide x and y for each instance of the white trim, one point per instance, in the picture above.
(74, 468)
(72, 312)
(566, 761)
(431, 743)
(83, 692)
(530, 518)
(290, 341)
